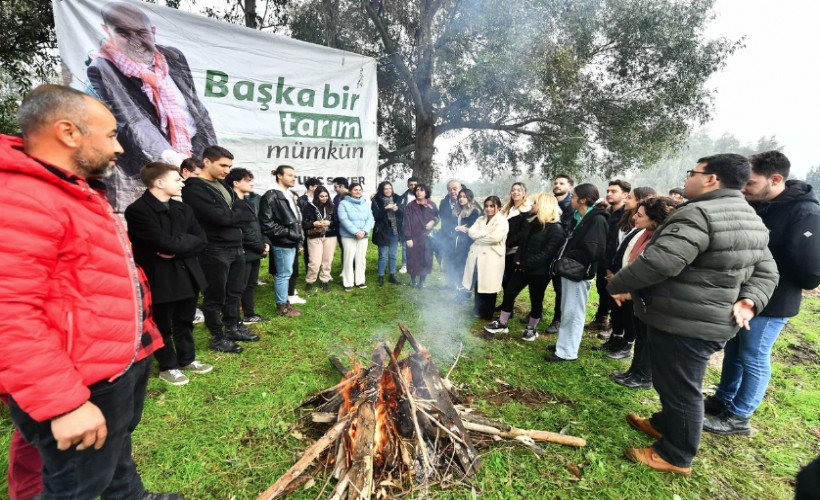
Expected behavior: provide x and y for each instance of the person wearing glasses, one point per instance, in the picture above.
(706, 272)
(484, 269)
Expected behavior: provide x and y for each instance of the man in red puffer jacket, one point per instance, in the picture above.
(74, 356)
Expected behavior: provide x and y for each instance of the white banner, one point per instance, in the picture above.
(178, 82)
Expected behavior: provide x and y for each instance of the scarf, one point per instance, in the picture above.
(391, 215)
(154, 86)
(640, 245)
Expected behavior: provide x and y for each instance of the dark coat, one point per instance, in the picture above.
(155, 228)
(540, 246)
(253, 241)
(447, 230)
(793, 219)
(710, 253)
(138, 126)
(382, 230)
(616, 262)
(311, 213)
(567, 220)
(221, 222)
(282, 227)
(587, 242)
(613, 234)
(420, 257)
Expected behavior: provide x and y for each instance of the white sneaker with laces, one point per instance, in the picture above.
(403, 270)
(295, 299)
(199, 317)
(496, 327)
(529, 334)
(173, 377)
(198, 367)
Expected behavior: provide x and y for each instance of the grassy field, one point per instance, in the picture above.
(231, 433)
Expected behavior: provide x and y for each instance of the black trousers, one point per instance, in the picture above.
(808, 482)
(678, 367)
(175, 321)
(224, 269)
(623, 321)
(109, 472)
(605, 302)
(251, 279)
(556, 285)
(518, 280)
(642, 356)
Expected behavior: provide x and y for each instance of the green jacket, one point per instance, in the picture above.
(707, 255)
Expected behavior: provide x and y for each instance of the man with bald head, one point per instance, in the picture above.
(151, 92)
(76, 336)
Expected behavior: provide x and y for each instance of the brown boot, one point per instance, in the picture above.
(287, 311)
(648, 457)
(643, 425)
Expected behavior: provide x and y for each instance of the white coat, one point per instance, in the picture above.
(487, 252)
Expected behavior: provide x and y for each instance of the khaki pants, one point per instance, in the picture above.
(320, 257)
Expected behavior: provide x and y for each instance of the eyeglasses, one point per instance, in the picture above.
(691, 173)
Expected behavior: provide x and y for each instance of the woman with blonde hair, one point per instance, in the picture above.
(542, 240)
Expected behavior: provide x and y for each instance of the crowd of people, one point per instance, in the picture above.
(717, 264)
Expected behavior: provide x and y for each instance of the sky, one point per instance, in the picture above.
(772, 86)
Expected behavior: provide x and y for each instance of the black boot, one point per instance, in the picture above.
(222, 344)
(241, 333)
(412, 282)
(392, 279)
(381, 280)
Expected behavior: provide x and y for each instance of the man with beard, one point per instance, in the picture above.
(75, 344)
(706, 272)
(151, 92)
(791, 212)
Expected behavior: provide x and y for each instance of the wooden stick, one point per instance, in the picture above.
(458, 356)
(310, 455)
(321, 417)
(399, 346)
(340, 489)
(410, 338)
(550, 437)
(337, 363)
(440, 426)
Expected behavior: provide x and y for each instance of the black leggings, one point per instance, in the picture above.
(623, 321)
(517, 281)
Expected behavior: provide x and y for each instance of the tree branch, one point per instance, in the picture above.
(513, 128)
(393, 161)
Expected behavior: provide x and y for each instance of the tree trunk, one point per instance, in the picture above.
(250, 14)
(425, 118)
(425, 147)
(329, 17)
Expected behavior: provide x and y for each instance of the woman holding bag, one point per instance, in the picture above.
(321, 231)
(576, 266)
(387, 212)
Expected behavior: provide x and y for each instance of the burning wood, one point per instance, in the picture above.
(397, 422)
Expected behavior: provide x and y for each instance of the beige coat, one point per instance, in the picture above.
(487, 252)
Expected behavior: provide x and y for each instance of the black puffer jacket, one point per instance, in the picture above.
(279, 223)
(587, 243)
(221, 222)
(613, 234)
(540, 247)
(793, 220)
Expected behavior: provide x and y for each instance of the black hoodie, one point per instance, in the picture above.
(793, 220)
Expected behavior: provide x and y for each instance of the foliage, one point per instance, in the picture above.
(671, 172)
(231, 433)
(272, 16)
(585, 86)
(813, 177)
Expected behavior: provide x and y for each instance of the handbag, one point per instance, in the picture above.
(316, 231)
(569, 268)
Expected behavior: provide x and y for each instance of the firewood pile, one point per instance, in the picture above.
(395, 426)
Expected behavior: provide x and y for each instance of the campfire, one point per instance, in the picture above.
(395, 425)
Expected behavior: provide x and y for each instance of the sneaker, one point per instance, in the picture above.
(173, 377)
(324, 287)
(362, 286)
(615, 343)
(714, 406)
(605, 334)
(392, 279)
(554, 326)
(348, 289)
(597, 324)
(403, 270)
(225, 345)
(199, 317)
(496, 327)
(529, 334)
(255, 318)
(261, 283)
(296, 299)
(727, 423)
(624, 353)
(633, 382)
(198, 367)
(308, 287)
(240, 333)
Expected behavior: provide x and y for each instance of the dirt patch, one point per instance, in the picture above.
(801, 355)
(534, 398)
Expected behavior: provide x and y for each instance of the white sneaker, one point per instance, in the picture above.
(173, 377)
(295, 299)
(403, 270)
(199, 317)
(496, 327)
(198, 367)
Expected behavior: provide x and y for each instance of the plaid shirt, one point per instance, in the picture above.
(151, 338)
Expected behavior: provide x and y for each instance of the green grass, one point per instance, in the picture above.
(231, 433)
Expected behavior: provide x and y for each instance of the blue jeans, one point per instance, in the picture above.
(747, 365)
(283, 260)
(574, 307)
(389, 251)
